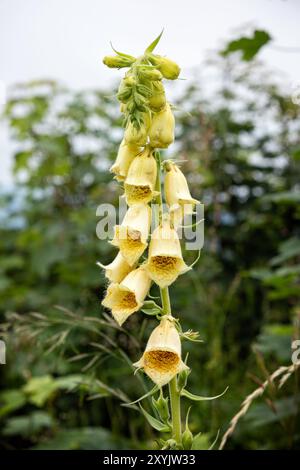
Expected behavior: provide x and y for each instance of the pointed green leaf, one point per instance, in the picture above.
(155, 423)
(148, 394)
(121, 54)
(153, 44)
(191, 396)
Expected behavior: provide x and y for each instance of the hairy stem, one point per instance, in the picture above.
(167, 310)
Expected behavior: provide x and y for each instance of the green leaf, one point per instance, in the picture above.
(11, 400)
(248, 46)
(155, 423)
(121, 54)
(153, 44)
(148, 394)
(191, 396)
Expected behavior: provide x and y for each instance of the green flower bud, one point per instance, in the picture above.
(187, 436)
(182, 379)
(162, 407)
(117, 62)
(167, 67)
(157, 100)
(151, 74)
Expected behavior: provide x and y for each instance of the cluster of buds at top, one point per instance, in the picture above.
(149, 125)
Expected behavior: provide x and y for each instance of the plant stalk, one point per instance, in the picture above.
(167, 310)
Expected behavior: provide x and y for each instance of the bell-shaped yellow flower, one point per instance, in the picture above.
(162, 360)
(124, 158)
(117, 269)
(165, 262)
(177, 193)
(141, 178)
(161, 133)
(126, 298)
(131, 236)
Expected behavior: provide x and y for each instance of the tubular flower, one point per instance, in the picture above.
(165, 262)
(161, 132)
(141, 178)
(157, 100)
(117, 269)
(177, 193)
(124, 158)
(161, 360)
(131, 236)
(126, 298)
(137, 136)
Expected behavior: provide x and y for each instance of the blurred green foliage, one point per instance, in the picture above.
(68, 364)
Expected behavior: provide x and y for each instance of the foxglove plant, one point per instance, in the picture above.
(149, 125)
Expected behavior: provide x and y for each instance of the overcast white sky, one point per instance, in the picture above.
(66, 39)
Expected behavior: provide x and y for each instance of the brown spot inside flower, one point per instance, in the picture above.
(127, 301)
(138, 193)
(164, 263)
(162, 361)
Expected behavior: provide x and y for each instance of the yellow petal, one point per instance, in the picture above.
(162, 127)
(117, 269)
(165, 262)
(141, 178)
(126, 298)
(131, 236)
(161, 360)
(124, 158)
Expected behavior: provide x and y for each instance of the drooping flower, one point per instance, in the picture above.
(177, 193)
(140, 181)
(161, 133)
(117, 270)
(126, 154)
(162, 360)
(165, 262)
(132, 235)
(127, 297)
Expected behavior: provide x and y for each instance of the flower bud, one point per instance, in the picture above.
(187, 436)
(162, 127)
(117, 62)
(167, 67)
(137, 135)
(177, 193)
(117, 269)
(126, 298)
(165, 262)
(150, 74)
(161, 360)
(141, 178)
(162, 407)
(131, 236)
(126, 154)
(157, 100)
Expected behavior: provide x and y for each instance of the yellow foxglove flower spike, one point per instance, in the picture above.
(117, 269)
(141, 178)
(165, 262)
(132, 235)
(126, 154)
(162, 127)
(177, 193)
(162, 360)
(126, 298)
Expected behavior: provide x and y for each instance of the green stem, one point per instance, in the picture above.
(167, 310)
